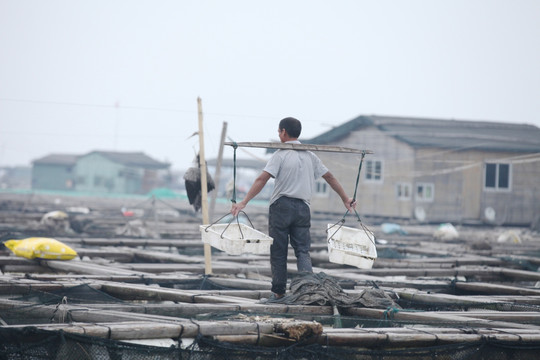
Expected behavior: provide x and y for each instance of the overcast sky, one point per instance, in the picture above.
(124, 75)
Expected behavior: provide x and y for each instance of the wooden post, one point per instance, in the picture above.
(204, 190)
(217, 175)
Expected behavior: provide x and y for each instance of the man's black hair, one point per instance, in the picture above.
(292, 126)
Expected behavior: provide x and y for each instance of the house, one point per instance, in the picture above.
(432, 170)
(15, 177)
(54, 172)
(118, 172)
(98, 172)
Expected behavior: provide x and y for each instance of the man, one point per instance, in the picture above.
(295, 172)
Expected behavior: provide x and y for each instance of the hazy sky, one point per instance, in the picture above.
(124, 75)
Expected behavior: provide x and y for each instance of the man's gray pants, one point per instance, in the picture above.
(289, 219)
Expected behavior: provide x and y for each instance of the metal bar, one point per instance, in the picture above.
(310, 147)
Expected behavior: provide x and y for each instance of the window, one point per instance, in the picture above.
(373, 171)
(497, 176)
(403, 191)
(322, 188)
(424, 192)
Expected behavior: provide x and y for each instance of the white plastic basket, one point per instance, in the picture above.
(236, 239)
(351, 246)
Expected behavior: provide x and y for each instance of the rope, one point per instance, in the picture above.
(358, 175)
(342, 221)
(198, 327)
(202, 284)
(235, 146)
(258, 334)
(355, 190)
(61, 308)
(390, 311)
(356, 186)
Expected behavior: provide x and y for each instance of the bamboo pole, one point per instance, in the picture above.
(494, 289)
(433, 317)
(143, 292)
(204, 190)
(178, 243)
(183, 309)
(87, 267)
(310, 147)
(393, 338)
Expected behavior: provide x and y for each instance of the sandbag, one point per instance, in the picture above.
(42, 248)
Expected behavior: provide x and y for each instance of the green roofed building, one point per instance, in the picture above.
(54, 172)
(99, 172)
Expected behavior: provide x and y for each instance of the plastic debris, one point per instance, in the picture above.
(446, 232)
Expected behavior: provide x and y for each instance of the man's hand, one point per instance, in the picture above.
(350, 204)
(237, 207)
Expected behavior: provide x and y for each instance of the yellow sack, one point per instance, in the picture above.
(43, 248)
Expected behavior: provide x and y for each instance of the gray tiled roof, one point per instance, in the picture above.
(137, 159)
(57, 159)
(448, 134)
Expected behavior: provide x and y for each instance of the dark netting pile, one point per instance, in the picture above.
(321, 289)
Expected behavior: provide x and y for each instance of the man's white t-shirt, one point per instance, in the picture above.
(295, 172)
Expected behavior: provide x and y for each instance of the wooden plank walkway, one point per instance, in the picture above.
(451, 292)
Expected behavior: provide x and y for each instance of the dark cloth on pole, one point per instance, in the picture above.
(192, 179)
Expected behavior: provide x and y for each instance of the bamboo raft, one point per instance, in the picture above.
(451, 292)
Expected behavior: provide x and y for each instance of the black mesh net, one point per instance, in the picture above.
(33, 344)
(80, 294)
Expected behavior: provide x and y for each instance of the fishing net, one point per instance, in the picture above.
(80, 294)
(34, 344)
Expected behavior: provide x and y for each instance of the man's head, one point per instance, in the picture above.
(292, 126)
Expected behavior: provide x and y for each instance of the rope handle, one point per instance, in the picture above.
(233, 200)
(229, 223)
(370, 234)
(356, 188)
(356, 185)
(342, 221)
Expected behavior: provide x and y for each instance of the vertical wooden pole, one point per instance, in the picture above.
(217, 175)
(204, 190)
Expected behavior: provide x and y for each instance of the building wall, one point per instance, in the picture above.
(520, 205)
(53, 177)
(374, 198)
(460, 194)
(96, 173)
(456, 178)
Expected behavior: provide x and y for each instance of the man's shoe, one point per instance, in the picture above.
(272, 298)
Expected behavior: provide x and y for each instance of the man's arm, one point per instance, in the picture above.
(349, 203)
(256, 188)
